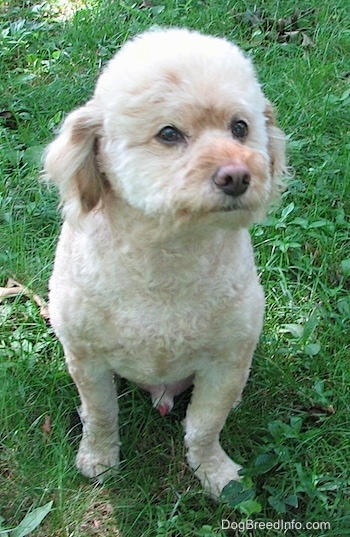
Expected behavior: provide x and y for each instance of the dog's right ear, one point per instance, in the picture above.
(71, 161)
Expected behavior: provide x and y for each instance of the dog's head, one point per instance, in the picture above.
(178, 124)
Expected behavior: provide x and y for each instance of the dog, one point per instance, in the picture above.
(160, 174)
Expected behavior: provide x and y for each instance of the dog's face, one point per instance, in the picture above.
(178, 124)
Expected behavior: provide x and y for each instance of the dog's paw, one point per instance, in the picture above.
(96, 462)
(215, 472)
(215, 482)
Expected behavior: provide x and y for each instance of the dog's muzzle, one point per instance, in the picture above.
(232, 179)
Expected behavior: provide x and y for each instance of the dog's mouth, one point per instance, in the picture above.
(231, 205)
(231, 208)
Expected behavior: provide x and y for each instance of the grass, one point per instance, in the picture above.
(292, 431)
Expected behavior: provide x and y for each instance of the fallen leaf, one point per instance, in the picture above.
(307, 41)
(8, 119)
(46, 427)
(291, 29)
(290, 37)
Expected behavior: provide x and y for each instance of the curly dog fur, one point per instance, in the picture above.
(160, 175)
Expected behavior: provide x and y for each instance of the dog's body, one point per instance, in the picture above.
(154, 278)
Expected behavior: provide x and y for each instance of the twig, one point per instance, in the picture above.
(14, 288)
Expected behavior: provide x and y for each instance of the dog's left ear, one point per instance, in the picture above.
(276, 148)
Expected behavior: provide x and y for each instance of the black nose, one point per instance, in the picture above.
(233, 179)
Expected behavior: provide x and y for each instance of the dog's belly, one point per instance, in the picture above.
(156, 343)
(162, 350)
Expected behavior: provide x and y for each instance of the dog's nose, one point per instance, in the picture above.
(233, 179)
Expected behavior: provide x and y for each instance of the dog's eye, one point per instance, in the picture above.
(239, 129)
(170, 135)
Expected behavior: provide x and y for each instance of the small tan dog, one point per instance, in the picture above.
(160, 175)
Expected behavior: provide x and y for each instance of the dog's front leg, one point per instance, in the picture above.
(215, 392)
(99, 447)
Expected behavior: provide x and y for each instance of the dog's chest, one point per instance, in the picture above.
(167, 311)
(166, 331)
(152, 316)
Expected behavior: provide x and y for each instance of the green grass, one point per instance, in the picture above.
(292, 432)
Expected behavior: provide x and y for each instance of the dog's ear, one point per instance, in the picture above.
(71, 161)
(276, 148)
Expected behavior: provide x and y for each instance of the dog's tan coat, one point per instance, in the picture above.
(154, 277)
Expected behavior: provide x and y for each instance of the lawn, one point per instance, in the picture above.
(292, 431)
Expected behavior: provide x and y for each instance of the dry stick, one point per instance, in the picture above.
(14, 288)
